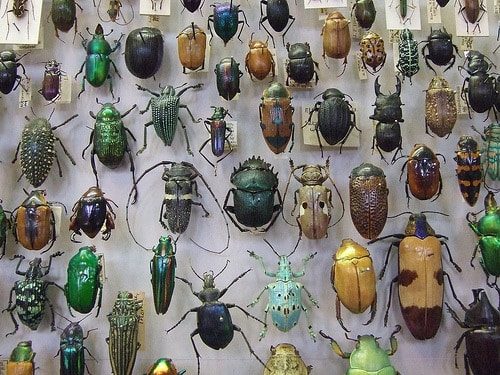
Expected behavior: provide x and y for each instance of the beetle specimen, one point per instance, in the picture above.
(490, 151)
(219, 135)
(144, 52)
(368, 357)
(439, 47)
(228, 75)
(162, 268)
(51, 85)
(336, 37)
(300, 64)
(9, 79)
(482, 338)
(5, 223)
(164, 366)
(408, 55)
(259, 62)
(165, 113)
(472, 12)
(214, 323)
(31, 294)
(114, 12)
(365, 12)
(285, 360)
(469, 171)
(21, 360)
(440, 107)
(402, 8)
(277, 15)
(63, 13)
(420, 276)
(225, 19)
(191, 5)
(372, 51)
(285, 294)
(18, 8)
(253, 198)
(191, 46)
(314, 199)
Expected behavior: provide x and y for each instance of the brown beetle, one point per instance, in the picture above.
(368, 200)
(440, 107)
(372, 51)
(191, 45)
(423, 176)
(259, 62)
(336, 37)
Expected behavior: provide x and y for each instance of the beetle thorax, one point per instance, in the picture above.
(312, 175)
(35, 270)
(168, 91)
(418, 226)
(108, 113)
(284, 270)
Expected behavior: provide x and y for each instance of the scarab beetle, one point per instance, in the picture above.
(421, 276)
(482, 338)
(368, 357)
(91, 214)
(164, 366)
(439, 47)
(213, 319)
(300, 64)
(276, 117)
(51, 85)
(9, 79)
(256, 186)
(219, 135)
(63, 14)
(277, 15)
(144, 52)
(285, 294)
(259, 61)
(469, 171)
(372, 51)
(368, 200)
(285, 360)
(165, 113)
(365, 12)
(353, 279)
(31, 294)
(191, 46)
(228, 75)
(22, 359)
(37, 149)
(225, 19)
(336, 37)
(440, 107)
(408, 55)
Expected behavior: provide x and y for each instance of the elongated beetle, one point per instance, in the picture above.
(285, 294)
(165, 114)
(219, 135)
(420, 276)
(482, 338)
(472, 12)
(439, 47)
(490, 151)
(191, 47)
(9, 79)
(277, 15)
(214, 323)
(365, 12)
(300, 64)
(469, 171)
(31, 294)
(144, 52)
(440, 107)
(51, 85)
(225, 19)
(162, 268)
(21, 360)
(63, 14)
(285, 359)
(408, 55)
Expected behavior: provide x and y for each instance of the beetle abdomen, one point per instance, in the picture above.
(215, 325)
(30, 302)
(91, 216)
(278, 13)
(33, 227)
(490, 254)
(253, 209)
(165, 112)
(314, 215)
(424, 178)
(440, 110)
(277, 123)
(110, 142)
(285, 304)
(334, 119)
(162, 281)
(63, 13)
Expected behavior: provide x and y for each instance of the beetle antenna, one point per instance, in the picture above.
(62, 316)
(434, 212)
(25, 191)
(198, 276)
(33, 111)
(272, 248)
(223, 269)
(51, 113)
(348, 338)
(117, 101)
(321, 93)
(178, 87)
(398, 215)
(296, 245)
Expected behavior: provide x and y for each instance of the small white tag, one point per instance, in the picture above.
(102, 262)
(24, 92)
(466, 43)
(433, 12)
(460, 102)
(362, 74)
(29, 47)
(233, 134)
(465, 28)
(394, 36)
(57, 210)
(154, 7)
(321, 4)
(64, 90)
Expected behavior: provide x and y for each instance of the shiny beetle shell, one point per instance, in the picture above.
(368, 200)
(365, 12)
(440, 107)
(469, 172)
(336, 36)
(191, 46)
(21, 360)
(259, 61)
(228, 76)
(164, 366)
(372, 51)
(285, 360)
(490, 152)
(144, 52)
(423, 174)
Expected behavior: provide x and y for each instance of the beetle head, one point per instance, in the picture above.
(481, 313)
(367, 342)
(467, 143)
(73, 333)
(406, 34)
(35, 269)
(418, 226)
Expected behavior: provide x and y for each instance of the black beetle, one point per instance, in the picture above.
(192, 5)
(228, 75)
(300, 64)
(9, 79)
(226, 20)
(63, 13)
(364, 11)
(277, 15)
(482, 338)
(387, 138)
(144, 52)
(440, 47)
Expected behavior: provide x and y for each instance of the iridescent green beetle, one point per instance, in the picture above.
(21, 361)
(164, 366)
(162, 268)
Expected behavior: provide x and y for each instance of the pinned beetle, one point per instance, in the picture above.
(219, 135)
(22, 359)
(191, 46)
(336, 37)
(228, 75)
(225, 19)
(440, 107)
(408, 55)
(277, 15)
(144, 52)
(162, 268)
(439, 47)
(490, 151)
(164, 366)
(285, 360)
(300, 64)
(51, 85)
(259, 62)
(372, 51)
(469, 171)
(365, 12)
(9, 79)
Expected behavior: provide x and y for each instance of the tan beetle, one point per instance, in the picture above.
(259, 62)
(440, 107)
(372, 51)
(191, 45)
(336, 37)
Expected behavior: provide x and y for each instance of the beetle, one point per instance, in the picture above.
(63, 14)
(277, 15)
(164, 366)
(285, 294)
(285, 360)
(368, 357)
(180, 190)
(336, 37)
(22, 359)
(123, 340)
(482, 338)
(51, 85)
(276, 117)
(365, 12)
(18, 8)
(353, 279)
(91, 213)
(314, 199)
(372, 51)
(387, 138)
(442, 3)
(439, 47)
(368, 194)
(488, 231)
(34, 222)
(9, 79)
(408, 55)
(144, 52)
(225, 19)
(423, 175)
(5, 223)
(420, 276)
(84, 285)
(192, 6)
(259, 61)
(336, 118)
(300, 64)
(213, 319)
(219, 134)
(97, 62)
(469, 171)
(440, 107)
(253, 198)
(114, 12)
(109, 139)
(37, 149)
(404, 6)
(472, 11)
(165, 113)
(31, 294)
(191, 47)
(490, 151)
(228, 74)
(162, 269)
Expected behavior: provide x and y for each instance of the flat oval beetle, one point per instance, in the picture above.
(285, 359)
(228, 74)
(300, 64)
(63, 13)
(372, 51)
(469, 171)
(9, 79)
(192, 6)
(225, 19)
(191, 46)
(439, 47)
(440, 107)
(277, 15)
(336, 37)
(259, 61)
(22, 359)
(144, 52)
(365, 12)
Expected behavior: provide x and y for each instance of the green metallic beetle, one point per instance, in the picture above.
(368, 358)
(164, 366)
(488, 231)
(21, 361)
(84, 281)
(162, 268)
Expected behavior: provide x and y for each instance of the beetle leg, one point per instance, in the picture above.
(132, 170)
(231, 305)
(110, 225)
(210, 19)
(223, 291)
(194, 309)
(11, 309)
(188, 147)
(17, 152)
(194, 333)
(309, 323)
(457, 347)
(197, 86)
(313, 301)
(206, 214)
(373, 310)
(190, 284)
(92, 163)
(453, 290)
(338, 314)
(290, 17)
(238, 329)
(139, 87)
(386, 316)
(455, 316)
(256, 300)
(59, 165)
(457, 267)
(145, 139)
(202, 154)
(230, 210)
(393, 341)
(466, 364)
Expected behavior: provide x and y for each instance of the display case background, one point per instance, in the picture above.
(127, 265)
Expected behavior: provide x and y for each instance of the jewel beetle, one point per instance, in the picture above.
(9, 63)
(226, 19)
(439, 47)
(490, 151)
(228, 74)
(285, 359)
(84, 285)
(144, 52)
(277, 16)
(192, 6)
(372, 51)
(191, 47)
(259, 61)
(364, 12)
(336, 37)
(162, 269)
(164, 366)
(421, 276)
(219, 135)
(22, 359)
(353, 280)
(300, 64)
(440, 107)
(469, 171)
